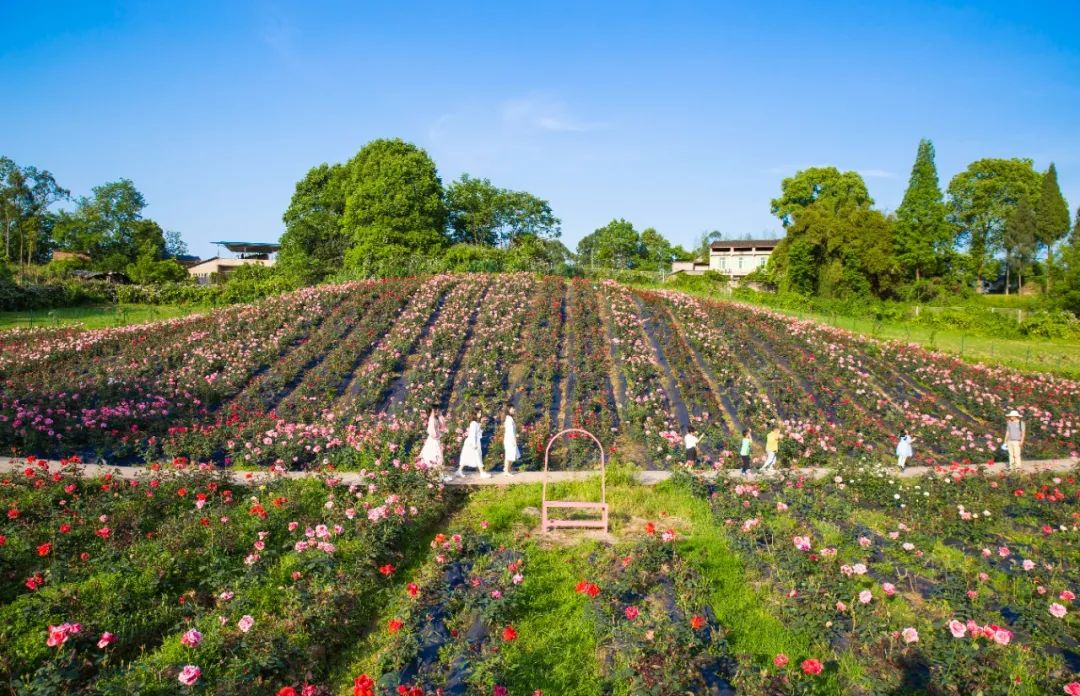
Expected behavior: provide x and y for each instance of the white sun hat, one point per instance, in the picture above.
(1013, 414)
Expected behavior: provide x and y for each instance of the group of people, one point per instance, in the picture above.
(1015, 433)
(472, 448)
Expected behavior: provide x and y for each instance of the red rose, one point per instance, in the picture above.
(44, 549)
(781, 660)
(696, 622)
(509, 634)
(363, 686)
(286, 691)
(394, 625)
(812, 667)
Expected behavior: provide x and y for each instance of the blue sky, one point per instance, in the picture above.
(681, 116)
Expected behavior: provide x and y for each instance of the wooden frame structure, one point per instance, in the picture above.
(546, 523)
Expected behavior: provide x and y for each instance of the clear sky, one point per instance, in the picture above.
(681, 116)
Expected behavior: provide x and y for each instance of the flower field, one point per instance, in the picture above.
(191, 579)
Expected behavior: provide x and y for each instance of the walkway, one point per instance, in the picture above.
(648, 478)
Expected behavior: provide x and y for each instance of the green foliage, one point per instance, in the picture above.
(314, 243)
(481, 213)
(25, 221)
(922, 234)
(981, 200)
(1019, 240)
(1051, 211)
(394, 205)
(150, 269)
(618, 246)
(825, 185)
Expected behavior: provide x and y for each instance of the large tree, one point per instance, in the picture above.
(615, 245)
(981, 200)
(1019, 241)
(109, 226)
(655, 251)
(922, 235)
(825, 185)
(1051, 218)
(394, 206)
(838, 252)
(481, 213)
(26, 193)
(314, 243)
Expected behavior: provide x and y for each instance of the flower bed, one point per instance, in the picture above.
(952, 584)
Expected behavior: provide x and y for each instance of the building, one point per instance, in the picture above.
(734, 258)
(245, 253)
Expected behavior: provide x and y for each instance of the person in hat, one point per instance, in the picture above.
(1015, 432)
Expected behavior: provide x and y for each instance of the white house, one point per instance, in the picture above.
(215, 269)
(734, 258)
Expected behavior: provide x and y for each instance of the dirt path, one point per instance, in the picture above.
(649, 477)
(671, 385)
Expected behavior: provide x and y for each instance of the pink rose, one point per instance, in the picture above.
(245, 623)
(888, 588)
(189, 675)
(1072, 688)
(1066, 596)
(1028, 564)
(106, 639)
(191, 638)
(780, 660)
(910, 635)
(841, 607)
(865, 597)
(1058, 610)
(957, 629)
(631, 613)
(1002, 636)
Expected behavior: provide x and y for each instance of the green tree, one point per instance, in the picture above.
(26, 194)
(1070, 297)
(314, 243)
(481, 213)
(826, 185)
(108, 226)
(655, 251)
(615, 245)
(175, 245)
(1019, 240)
(1051, 219)
(983, 197)
(922, 233)
(149, 268)
(394, 206)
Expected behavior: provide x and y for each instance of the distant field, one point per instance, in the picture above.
(1057, 357)
(95, 317)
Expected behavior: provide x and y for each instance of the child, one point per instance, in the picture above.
(772, 446)
(744, 451)
(903, 450)
(691, 440)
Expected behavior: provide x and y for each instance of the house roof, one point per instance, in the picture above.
(745, 244)
(251, 247)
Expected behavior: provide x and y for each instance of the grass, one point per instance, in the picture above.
(1032, 355)
(95, 317)
(557, 648)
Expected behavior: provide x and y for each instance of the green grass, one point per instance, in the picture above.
(1057, 357)
(96, 317)
(557, 646)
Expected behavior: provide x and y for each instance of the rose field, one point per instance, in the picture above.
(197, 573)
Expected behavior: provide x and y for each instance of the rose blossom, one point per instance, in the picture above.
(631, 613)
(780, 660)
(910, 635)
(957, 629)
(189, 675)
(245, 623)
(888, 588)
(1066, 596)
(1058, 610)
(865, 596)
(191, 638)
(105, 640)
(812, 667)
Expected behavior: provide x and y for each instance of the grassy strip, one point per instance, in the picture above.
(96, 317)
(557, 646)
(1057, 357)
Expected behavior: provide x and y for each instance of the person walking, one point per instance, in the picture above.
(772, 447)
(472, 453)
(510, 445)
(744, 451)
(1015, 432)
(691, 440)
(432, 452)
(903, 450)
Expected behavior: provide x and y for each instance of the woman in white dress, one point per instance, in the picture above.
(510, 446)
(472, 453)
(432, 453)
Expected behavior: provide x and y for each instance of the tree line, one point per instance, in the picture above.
(105, 231)
(999, 222)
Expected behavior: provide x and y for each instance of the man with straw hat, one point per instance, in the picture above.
(1014, 437)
